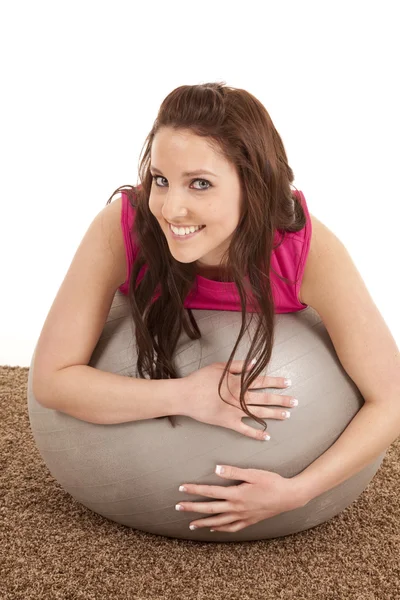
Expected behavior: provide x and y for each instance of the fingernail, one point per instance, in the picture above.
(192, 527)
(286, 414)
(288, 382)
(182, 488)
(266, 437)
(294, 402)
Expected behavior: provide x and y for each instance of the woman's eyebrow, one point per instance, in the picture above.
(187, 173)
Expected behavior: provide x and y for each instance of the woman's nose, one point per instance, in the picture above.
(173, 208)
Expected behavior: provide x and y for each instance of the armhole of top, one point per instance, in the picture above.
(305, 248)
(125, 226)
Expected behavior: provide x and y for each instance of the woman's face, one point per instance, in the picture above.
(212, 199)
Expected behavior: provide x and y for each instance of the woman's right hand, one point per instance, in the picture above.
(201, 401)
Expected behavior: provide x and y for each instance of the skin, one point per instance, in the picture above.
(203, 199)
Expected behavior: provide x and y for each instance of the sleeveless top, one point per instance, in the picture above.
(288, 261)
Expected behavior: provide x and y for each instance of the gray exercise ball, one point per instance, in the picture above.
(130, 472)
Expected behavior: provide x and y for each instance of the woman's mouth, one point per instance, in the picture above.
(185, 236)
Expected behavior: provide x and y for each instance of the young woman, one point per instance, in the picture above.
(214, 224)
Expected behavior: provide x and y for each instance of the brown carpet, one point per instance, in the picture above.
(51, 547)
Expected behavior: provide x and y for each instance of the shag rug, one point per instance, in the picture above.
(51, 547)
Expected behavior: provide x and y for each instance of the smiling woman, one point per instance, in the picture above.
(270, 252)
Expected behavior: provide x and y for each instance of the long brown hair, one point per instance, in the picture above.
(240, 127)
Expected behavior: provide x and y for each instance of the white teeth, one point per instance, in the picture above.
(185, 230)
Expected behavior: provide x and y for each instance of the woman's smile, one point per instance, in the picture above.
(185, 236)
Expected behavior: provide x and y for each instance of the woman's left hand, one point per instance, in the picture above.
(263, 494)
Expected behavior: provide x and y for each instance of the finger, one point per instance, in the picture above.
(225, 519)
(209, 508)
(211, 491)
(270, 400)
(264, 381)
(251, 432)
(275, 382)
(232, 527)
(268, 413)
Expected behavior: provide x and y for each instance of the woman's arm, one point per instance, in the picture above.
(371, 432)
(367, 351)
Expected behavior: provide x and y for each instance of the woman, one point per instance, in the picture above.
(215, 170)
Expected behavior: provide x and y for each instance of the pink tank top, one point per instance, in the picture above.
(288, 261)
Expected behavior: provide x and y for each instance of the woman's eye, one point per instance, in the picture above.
(203, 181)
(155, 177)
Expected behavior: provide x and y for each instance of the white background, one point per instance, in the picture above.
(81, 86)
